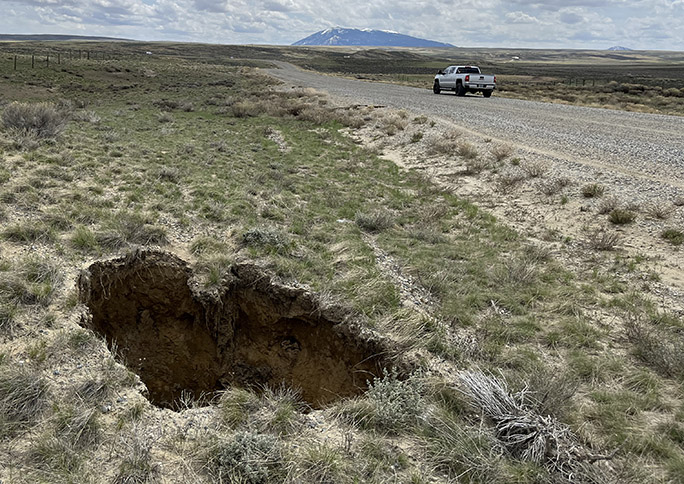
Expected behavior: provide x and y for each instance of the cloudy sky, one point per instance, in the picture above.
(638, 24)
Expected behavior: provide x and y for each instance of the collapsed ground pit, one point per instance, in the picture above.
(253, 333)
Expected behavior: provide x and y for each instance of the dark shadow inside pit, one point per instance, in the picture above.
(255, 333)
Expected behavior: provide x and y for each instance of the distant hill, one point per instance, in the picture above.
(366, 37)
(50, 37)
(618, 47)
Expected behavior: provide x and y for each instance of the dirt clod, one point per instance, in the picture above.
(252, 333)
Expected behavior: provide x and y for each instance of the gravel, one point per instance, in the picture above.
(641, 154)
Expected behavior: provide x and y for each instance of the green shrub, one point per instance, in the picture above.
(267, 238)
(674, 236)
(621, 216)
(41, 120)
(247, 457)
(390, 405)
(593, 190)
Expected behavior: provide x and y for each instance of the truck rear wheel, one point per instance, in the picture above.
(487, 93)
(435, 88)
(460, 90)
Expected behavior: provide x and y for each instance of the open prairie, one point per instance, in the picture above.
(211, 272)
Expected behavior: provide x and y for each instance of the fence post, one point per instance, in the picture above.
(47, 61)
(33, 61)
(15, 62)
(88, 55)
(59, 59)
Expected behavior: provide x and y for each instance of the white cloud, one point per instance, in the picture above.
(520, 18)
(512, 23)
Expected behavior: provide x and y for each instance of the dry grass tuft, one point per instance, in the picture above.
(24, 395)
(602, 240)
(662, 351)
(374, 221)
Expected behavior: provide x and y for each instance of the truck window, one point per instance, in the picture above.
(468, 70)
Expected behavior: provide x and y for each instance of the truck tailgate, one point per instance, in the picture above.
(481, 79)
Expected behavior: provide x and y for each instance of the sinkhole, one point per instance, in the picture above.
(253, 333)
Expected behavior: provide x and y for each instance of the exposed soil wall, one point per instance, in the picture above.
(253, 333)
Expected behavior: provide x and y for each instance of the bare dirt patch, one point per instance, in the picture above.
(253, 332)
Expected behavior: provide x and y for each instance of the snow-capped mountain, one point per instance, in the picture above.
(366, 37)
(618, 47)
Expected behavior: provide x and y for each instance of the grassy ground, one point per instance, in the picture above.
(570, 376)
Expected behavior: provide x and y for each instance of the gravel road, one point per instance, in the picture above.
(643, 154)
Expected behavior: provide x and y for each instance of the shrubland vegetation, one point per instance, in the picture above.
(518, 369)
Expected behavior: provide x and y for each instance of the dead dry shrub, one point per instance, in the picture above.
(350, 119)
(391, 125)
(535, 169)
(467, 150)
(659, 210)
(525, 433)
(501, 152)
(552, 186)
(511, 177)
(448, 144)
(607, 205)
(474, 166)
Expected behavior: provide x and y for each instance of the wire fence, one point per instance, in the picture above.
(19, 61)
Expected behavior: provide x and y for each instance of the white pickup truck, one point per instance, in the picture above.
(464, 79)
